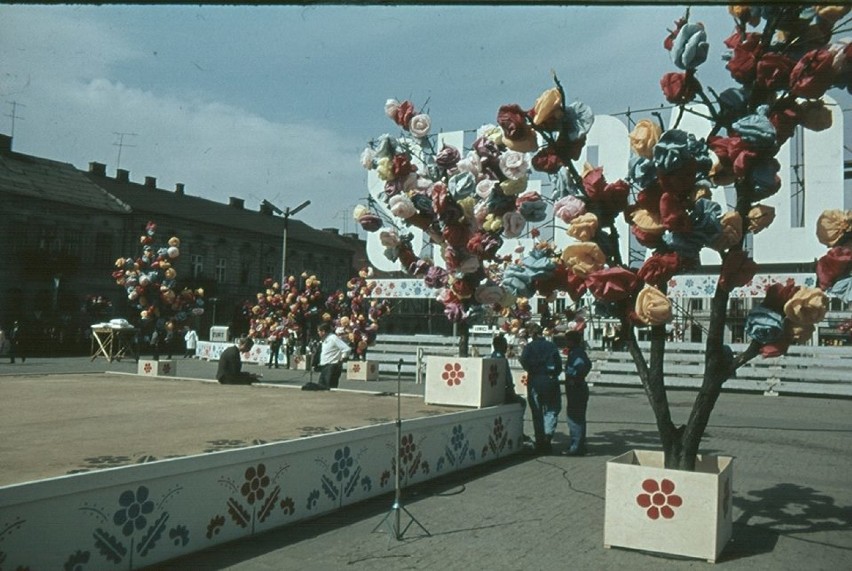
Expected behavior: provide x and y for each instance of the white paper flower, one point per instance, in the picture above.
(368, 155)
(391, 107)
(514, 164)
(420, 125)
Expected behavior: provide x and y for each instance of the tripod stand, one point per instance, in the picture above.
(393, 519)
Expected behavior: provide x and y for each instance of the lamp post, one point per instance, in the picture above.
(286, 213)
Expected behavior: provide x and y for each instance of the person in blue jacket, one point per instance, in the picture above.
(577, 366)
(543, 364)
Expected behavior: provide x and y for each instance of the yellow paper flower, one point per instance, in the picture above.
(832, 13)
(653, 307)
(492, 223)
(467, 205)
(359, 211)
(583, 227)
(548, 107)
(526, 145)
(700, 192)
(512, 187)
(832, 225)
(583, 258)
(644, 137)
(759, 217)
(732, 231)
(647, 221)
(384, 168)
(807, 306)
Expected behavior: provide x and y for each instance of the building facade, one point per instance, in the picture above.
(62, 230)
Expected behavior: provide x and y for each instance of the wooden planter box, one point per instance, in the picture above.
(652, 508)
(151, 368)
(362, 370)
(465, 381)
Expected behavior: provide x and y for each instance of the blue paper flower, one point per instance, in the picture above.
(533, 210)
(757, 130)
(764, 325)
(842, 289)
(461, 185)
(690, 46)
(642, 171)
(579, 120)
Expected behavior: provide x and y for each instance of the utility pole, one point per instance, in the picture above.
(121, 144)
(14, 115)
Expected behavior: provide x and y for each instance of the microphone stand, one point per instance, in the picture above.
(393, 519)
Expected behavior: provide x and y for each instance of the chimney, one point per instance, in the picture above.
(334, 231)
(179, 188)
(151, 182)
(97, 168)
(122, 175)
(236, 202)
(5, 144)
(266, 208)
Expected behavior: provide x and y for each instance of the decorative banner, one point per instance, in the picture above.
(687, 286)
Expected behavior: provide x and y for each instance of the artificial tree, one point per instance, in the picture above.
(782, 61)
(152, 286)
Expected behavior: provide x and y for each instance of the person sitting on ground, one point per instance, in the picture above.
(333, 351)
(499, 350)
(230, 365)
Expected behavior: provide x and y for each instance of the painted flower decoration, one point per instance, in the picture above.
(343, 462)
(658, 498)
(256, 481)
(453, 374)
(134, 508)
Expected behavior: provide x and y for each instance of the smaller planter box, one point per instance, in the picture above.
(151, 368)
(362, 370)
(653, 508)
(299, 362)
(465, 381)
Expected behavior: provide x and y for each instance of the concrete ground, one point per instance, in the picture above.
(792, 492)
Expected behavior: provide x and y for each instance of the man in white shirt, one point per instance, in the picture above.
(333, 351)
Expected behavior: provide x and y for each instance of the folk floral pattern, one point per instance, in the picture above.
(453, 374)
(252, 501)
(457, 450)
(138, 523)
(493, 375)
(498, 439)
(343, 475)
(658, 499)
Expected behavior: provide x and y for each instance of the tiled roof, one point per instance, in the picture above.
(143, 199)
(53, 181)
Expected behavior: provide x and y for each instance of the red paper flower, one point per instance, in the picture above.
(404, 113)
(613, 284)
(813, 75)
(835, 264)
(737, 270)
(659, 268)
(746, 52)
(679, 88)
(778, 294)
(547, 160)
(773, 71)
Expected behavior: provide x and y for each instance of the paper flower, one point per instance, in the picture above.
(653, 307)
(583, 258)
(807, 306)
(833, 225)
(764, 325)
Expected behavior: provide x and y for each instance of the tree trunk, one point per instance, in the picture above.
(464, 339)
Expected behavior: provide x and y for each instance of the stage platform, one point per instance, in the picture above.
(124, 471)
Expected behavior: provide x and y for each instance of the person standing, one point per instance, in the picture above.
(499, 349)
(333, 351)
(190, 339)
(17, 343)
(543, 363)
(608, 335)
(275, 342)
(230, 367)
(577, 367)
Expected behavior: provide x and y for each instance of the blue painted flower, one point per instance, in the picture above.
(342, 463)
(134, 508)
(457, 439)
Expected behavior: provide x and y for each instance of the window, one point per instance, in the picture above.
(221, 268)
(103, 249)
(696, 304)
(197, 265)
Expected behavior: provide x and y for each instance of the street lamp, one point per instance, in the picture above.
(286, 213)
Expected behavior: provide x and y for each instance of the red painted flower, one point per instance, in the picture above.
(453, 374)
(659, 499)
(148, 368)
(356, 367)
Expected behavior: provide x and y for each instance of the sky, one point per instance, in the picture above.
(277, 102)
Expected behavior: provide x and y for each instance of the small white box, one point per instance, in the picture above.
(362, 371)
(465, 381)
(220, 334)
(151, 368)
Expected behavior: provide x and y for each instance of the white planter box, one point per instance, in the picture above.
(299, 362)
(652, 508)
(465, 381)
(362, 370)
(151, 368)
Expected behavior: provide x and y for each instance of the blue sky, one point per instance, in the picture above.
(277, 102)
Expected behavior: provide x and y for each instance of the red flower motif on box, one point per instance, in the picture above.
(659, 499)
(167, 368)
(356, 367)
(493, 375)
(453, 374)
(147, 368)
